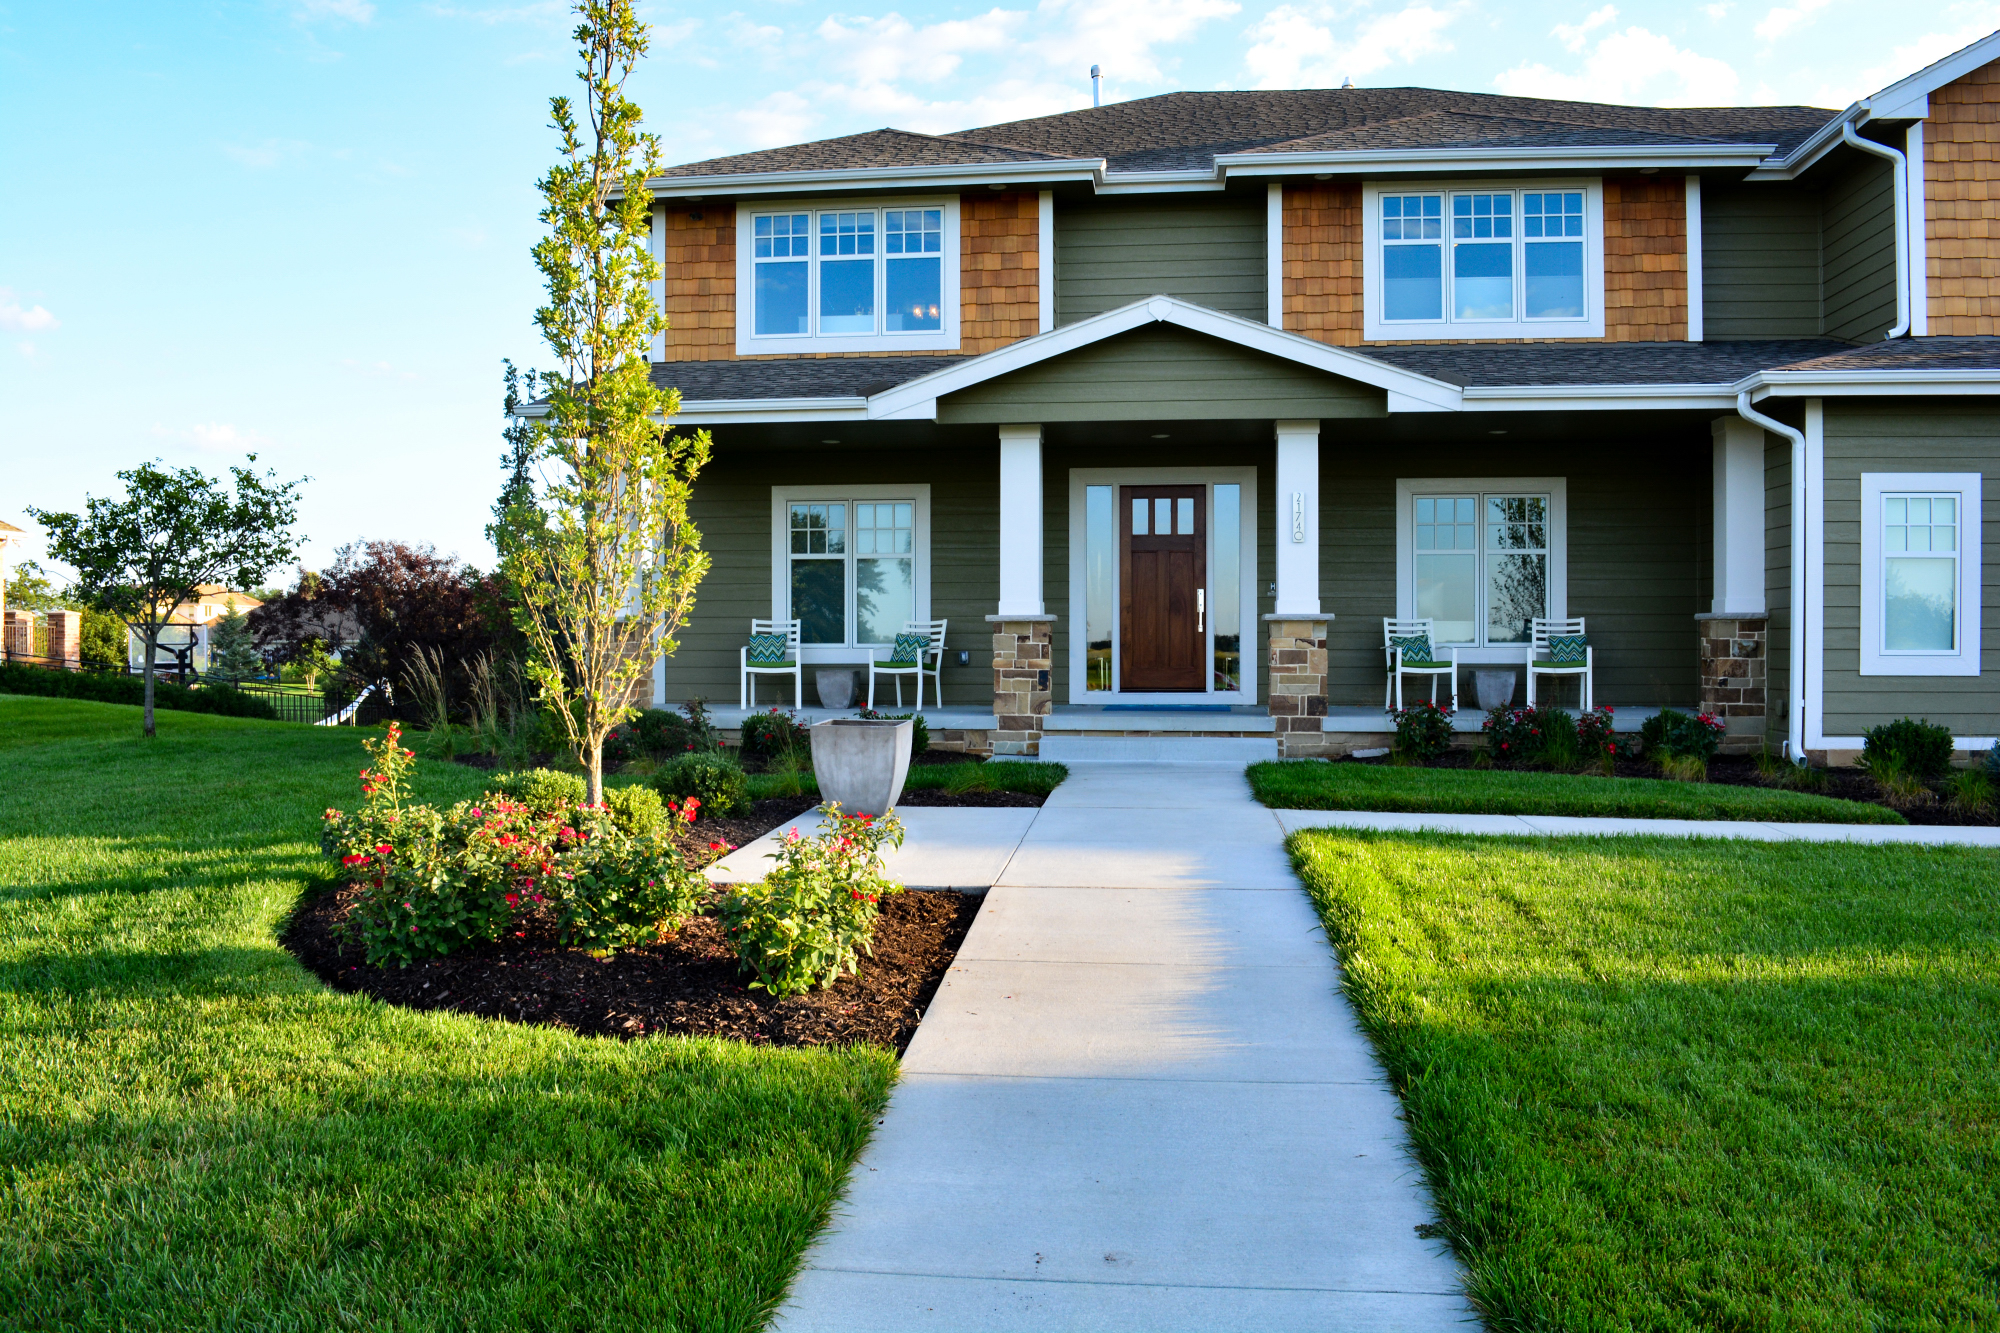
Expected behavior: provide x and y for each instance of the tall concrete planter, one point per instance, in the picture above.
(861, 764)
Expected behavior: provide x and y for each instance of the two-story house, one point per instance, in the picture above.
(1167, 405)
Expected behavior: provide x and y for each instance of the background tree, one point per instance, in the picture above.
(29, 588)
(604, 559)
(232, 653)
(144, 555)
(519, 459)
(106, 641)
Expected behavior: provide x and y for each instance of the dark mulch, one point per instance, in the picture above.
(689, 985)
(1846, 784)
(939, 796)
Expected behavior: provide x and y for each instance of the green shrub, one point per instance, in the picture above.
(636, 811)
(622, 890)
(1597, 739)
(707, 777)
(815, 913)
(1423, 730)
(774, 733)
(18, 678)
(1972, 791)
(1671, 734)
(543, 790)
(920, 730)
(1535, 737)
(1922, 749)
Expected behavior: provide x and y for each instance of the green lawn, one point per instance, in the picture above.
(195, 1134)
(1020, 775)
(1675, 1085)
(1313, 784)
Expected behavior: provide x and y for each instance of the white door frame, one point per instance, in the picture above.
(1245, 477)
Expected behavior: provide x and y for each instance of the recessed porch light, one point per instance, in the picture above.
(1490, 432)
(1162, 437)
(829, 441)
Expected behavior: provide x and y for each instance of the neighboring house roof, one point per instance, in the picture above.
(1188, 131)
(5, 526)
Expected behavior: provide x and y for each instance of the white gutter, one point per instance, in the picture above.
(1426, 160)
(1902, 168)
(1795, 684)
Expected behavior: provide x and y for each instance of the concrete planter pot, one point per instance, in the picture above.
(1495, 688)
(861, 764)
(836, 686)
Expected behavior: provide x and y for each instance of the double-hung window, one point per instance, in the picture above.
(850, 563)
(848, 277)
(1920, 576)
(1483, 262)
(1481, 558)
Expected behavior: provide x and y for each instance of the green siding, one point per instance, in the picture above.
(732, 507)
(1161, 373)
(1777, 588)
(1859, 230)
(1760, 262)
(1208, 249)
(1903, 436)
(1635, 562)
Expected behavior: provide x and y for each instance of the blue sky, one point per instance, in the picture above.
(302, 226)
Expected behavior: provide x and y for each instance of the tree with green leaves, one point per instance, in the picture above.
(141, 556)
(603, 559)
(29, 588)
(519, 459)
(232, 651)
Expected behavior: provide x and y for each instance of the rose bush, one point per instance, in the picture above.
(815, 913)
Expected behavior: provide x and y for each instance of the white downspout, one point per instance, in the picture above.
(1795, 689)
(1902, 170)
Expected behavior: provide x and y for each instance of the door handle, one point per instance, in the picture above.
(1200, 610)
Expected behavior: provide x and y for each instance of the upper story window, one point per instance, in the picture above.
(1484, 262)
(847, 277)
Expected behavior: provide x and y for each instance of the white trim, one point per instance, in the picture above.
(1246, 581)
(944, 339)
(1695, 275)
(1917, 193)
(1045, 259)
(1909, 96)
(1556, 488)
(1965, 659)
(1596, 397)
(1375, 328)
(781, 589)
(658, 286)
(1274, 255)
(720, 411)
(1165, 310)
(1813, 611)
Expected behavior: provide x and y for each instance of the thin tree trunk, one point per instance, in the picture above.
(152, 650)
(594, 792)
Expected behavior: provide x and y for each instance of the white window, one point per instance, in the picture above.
(1483, 261)
(1920, 555)
(1481, 557)
(851, 565)
(847, 277)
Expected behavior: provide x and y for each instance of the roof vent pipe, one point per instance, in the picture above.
(1795, 669)
(1347, 80)
(1096, 87)
(1902, 170)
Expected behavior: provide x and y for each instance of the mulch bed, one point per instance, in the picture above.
(1846, 784)
(689, 985)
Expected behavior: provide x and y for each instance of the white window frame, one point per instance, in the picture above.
(1375, 328)
(942, 339)
(1556, 488)
(783, 497)
(1962, 660)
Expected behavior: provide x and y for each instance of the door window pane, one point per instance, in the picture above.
(885, 598)
(1224, 577)
(1163, 516)
(1100, 583)
(1141, 509)
(1184, 516)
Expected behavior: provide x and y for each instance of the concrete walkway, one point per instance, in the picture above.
(1139, 1101)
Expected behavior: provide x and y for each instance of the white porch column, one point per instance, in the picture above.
(1020, 521)
(1298, 519)
(1739, 518)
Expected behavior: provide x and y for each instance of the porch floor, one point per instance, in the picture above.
(1347, 718)
(1198, 719)
(952, 717)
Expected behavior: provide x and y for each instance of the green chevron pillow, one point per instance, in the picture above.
(1413, 649)
(909, 650)
(767, 649)
(1567, 648)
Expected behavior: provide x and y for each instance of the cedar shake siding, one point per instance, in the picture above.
(999, 277)
(1645, 261)
(1962, 212)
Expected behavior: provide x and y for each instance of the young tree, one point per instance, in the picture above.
(144, 555)
(519, 460)
(604, 560)
(232, 653)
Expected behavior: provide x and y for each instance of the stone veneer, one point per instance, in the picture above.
(1298, 684)
(1733, 675)
(1022, 697)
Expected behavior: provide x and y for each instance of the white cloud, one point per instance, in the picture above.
(1719, 11)
(1980, 20)
(28, 319)
(1786, 18)
(1573, 35)
(1296, 46)
(891, 49)
(345, 11)
(211, 437)
(1635, 67)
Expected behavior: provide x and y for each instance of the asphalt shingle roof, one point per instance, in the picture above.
(1186, 131)
(1910, 354)
(809, 377)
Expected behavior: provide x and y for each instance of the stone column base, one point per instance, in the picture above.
(1022, 694)
(1298, 683)
(66, 638)
(1733, 674)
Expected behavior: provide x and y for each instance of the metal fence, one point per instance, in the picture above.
(287, 704)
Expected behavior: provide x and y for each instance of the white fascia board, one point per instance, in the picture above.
(1868, 383)
(1160, 182)
(875, 178)
(1817, 145)
(1909, 98)
(1597, 397)
(1408, 386)
(1430, 160)
(721, 411)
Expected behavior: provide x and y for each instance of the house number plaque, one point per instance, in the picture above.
(1299, 516)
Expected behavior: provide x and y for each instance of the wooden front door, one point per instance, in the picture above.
(1163, 582)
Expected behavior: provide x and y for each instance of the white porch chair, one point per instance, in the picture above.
(930, 662)
(791, 666)
(1398, 668)
(1540, 663)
